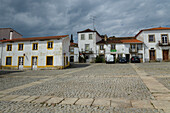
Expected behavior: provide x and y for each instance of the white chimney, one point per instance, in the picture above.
(10, 35)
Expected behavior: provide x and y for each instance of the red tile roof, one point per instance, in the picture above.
(152, 29)
(88, 30)
(35, 38)
(119, 40)
(131, 41)
(73, 44)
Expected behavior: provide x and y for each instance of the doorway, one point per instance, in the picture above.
(165, 55)
(127, 57)
(71, 58)
(20, 62)
(152, 55)
(34, 62)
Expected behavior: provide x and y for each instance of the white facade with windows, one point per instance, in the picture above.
(156, 43)
(87, 40)
(36, 53)
(121, 50)
(74, 52)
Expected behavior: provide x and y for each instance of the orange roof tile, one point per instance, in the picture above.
(131, 41)
(152, 29)
(73, 44)
(34, 38)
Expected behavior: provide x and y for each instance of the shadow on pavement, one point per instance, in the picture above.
(2, 72)
(78, 65)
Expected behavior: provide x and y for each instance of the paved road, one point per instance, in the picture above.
(88, 88)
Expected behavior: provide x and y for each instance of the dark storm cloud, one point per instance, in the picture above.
(56, 17)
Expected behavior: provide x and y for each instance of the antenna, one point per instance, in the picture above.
(93, 19)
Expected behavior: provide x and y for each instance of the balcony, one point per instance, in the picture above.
(87, 51)
(102, 51)
(133, 50)
(163, 44)
(113, 50)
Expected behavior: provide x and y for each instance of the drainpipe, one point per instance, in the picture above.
(1, 53)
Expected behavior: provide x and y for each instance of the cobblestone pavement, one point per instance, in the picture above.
(155, 69)
(20, 107)
(165, 81)
(89, 81)
(9, 82)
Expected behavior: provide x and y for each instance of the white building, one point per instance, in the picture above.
(156, 43)
(120, 47)
(36, 52)
(74, 52)
(87, 40)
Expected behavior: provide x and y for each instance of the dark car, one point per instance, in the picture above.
(135, 59)
(122, 60)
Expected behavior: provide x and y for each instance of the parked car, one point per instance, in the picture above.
(135, 59)
(122, 60)
(110, 59)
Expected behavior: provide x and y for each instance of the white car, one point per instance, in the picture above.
(110, 59)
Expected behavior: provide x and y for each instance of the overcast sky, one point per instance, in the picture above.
(57, 17)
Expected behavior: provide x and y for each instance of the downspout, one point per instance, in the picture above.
(1, 54)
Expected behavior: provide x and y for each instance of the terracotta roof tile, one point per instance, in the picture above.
(89, 30)
(73, 44)
(152, 29)
(131, 41)
(34, 38)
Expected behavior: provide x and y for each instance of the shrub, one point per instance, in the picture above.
(99, 59)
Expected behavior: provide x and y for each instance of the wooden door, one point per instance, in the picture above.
(165, 54)
(152, 55)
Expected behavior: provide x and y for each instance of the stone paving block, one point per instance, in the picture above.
(162, 96)
(9, 97)
(20, 98)
(167, 110)
(2, 96)
(54, 100)
(120, 103)
(30, 99)
(69, 101)
(154, 86)
(101, 102)
(142, 104)
(42, 99)
(160, 104)
(85, 101)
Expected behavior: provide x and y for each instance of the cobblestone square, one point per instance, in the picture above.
(65, 90)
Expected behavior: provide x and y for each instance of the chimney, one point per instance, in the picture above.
(10, 35)
(105, 38)
(71, 38)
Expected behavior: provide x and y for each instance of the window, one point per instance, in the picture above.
(133, 46)
(139, 46)
(35, 46)
(20, 47)
(113, 46)
(90, 37)
(82, 37)
(151, 38)
(165, 39)
(8, 60)
(49, 60)
(50, 45)
(101, 47)
(87, 47)
(9, 47)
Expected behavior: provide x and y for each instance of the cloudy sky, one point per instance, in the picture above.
(57, 17)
